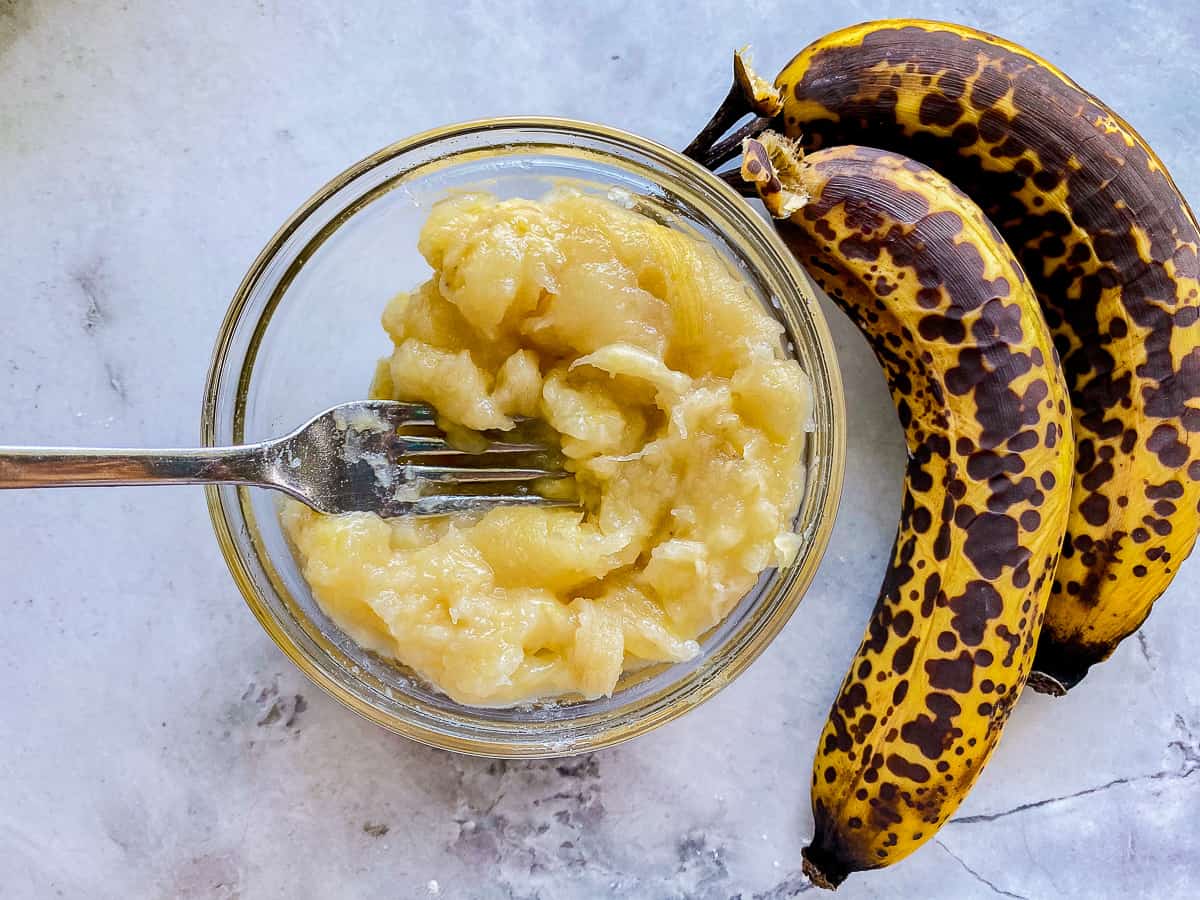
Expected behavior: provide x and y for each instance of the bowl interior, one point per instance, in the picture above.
(304, 334)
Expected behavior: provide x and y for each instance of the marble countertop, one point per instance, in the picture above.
(154, 742)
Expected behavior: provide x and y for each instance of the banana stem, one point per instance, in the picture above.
(732, 108)
(749, 94)
(727, 148)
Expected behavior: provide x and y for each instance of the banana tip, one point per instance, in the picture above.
(1046, 684)
(1059, 666)
(821, 869)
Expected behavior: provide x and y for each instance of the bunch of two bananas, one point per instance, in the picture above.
(1026, 272)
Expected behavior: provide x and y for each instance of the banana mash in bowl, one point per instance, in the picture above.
(680, 417)
(608, 291)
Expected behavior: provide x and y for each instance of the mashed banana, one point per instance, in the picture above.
(678, 413)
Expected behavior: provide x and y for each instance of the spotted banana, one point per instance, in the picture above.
(1110, 247)
(976, 382)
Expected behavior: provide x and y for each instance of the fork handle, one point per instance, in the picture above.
(38, 467)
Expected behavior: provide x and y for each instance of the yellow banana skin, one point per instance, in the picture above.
(978, 389)
(1110, 247)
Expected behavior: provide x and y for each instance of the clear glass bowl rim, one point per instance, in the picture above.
(227, 521)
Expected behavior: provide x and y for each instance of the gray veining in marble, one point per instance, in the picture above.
(153, 741)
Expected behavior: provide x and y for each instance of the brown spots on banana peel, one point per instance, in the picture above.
(976, 385)
(1111, 249)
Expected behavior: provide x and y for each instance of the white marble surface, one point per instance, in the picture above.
(153, 742)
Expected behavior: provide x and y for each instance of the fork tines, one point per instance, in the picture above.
(445, 504)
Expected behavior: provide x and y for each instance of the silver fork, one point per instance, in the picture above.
(356, 457)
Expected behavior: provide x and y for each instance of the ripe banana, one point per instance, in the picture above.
(978, 389)
(1110, 247)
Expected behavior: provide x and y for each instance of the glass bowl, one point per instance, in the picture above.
(303, 334)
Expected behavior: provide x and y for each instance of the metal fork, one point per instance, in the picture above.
(374, 456)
